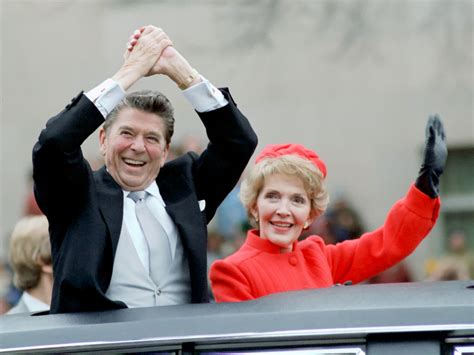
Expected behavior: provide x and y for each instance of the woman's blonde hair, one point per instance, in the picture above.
(290, 165)
(29, 250)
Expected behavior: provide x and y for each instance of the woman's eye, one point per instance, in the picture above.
(299, 200)
(272, 196)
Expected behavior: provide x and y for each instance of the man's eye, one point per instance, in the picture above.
(126, 133)
(153, 139)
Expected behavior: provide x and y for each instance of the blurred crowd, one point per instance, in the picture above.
(227, 233)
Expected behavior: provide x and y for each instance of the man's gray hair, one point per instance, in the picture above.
(147, 101)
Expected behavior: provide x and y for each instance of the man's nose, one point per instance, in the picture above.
(138, 144)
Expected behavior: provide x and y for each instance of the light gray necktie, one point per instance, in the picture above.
(155, 236)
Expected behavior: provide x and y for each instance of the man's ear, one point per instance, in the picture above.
(102, 139)
(47, 268)
(165, 154)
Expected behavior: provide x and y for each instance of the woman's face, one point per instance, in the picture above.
(283, 209)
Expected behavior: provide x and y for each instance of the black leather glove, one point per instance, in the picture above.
(434, 158)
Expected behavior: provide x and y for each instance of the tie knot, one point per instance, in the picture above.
(137, 195)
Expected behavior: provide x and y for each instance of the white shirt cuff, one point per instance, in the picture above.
(106, 96)
(204, 96)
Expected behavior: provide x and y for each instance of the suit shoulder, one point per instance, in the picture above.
(182, 165)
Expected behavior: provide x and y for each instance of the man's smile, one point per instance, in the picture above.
(133, 162)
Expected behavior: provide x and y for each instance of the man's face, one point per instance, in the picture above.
(134, 148)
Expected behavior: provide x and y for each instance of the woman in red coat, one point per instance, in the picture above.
(284, 193)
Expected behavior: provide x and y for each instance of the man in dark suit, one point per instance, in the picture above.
(103, 257)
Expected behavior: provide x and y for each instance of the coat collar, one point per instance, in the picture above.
(183, 208)
(254, 241)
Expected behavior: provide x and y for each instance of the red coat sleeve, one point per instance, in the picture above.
(407, 224)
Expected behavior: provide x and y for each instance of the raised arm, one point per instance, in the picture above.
(59, 168)
(232, 139)
(409, 221)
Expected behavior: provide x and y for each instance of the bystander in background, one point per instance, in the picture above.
(458, 261)
(30, 258)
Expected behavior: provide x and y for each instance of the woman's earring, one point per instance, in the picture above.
(306, 226)
(256, 219)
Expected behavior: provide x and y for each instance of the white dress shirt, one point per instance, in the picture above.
(203, 96)
(34, 304)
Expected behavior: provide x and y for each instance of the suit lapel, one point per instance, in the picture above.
(183, 208)
(110, 198)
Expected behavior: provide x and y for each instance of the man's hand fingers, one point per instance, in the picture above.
(165, 43)
(159, 40)
(158, 35)
(149, 29)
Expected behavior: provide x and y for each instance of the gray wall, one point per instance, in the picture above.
(354, 80)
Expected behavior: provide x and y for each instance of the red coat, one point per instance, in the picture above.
(258, 268)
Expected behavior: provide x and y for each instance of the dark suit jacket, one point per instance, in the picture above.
(85, 208)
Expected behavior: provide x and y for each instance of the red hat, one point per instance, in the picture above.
(277, 150)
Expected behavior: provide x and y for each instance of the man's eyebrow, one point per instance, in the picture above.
(158, 134)
(129, 128)
(126, 127)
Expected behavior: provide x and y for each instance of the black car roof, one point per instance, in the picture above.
(330, 313)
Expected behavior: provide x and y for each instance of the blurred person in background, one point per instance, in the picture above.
(457, 263)
(133, 234)
(190, 143)
(231, 216)
(30, 259)
(9, 295)
(285, 192)
(338, 223)
(215, 242)
(344, 221)
(398, 273)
